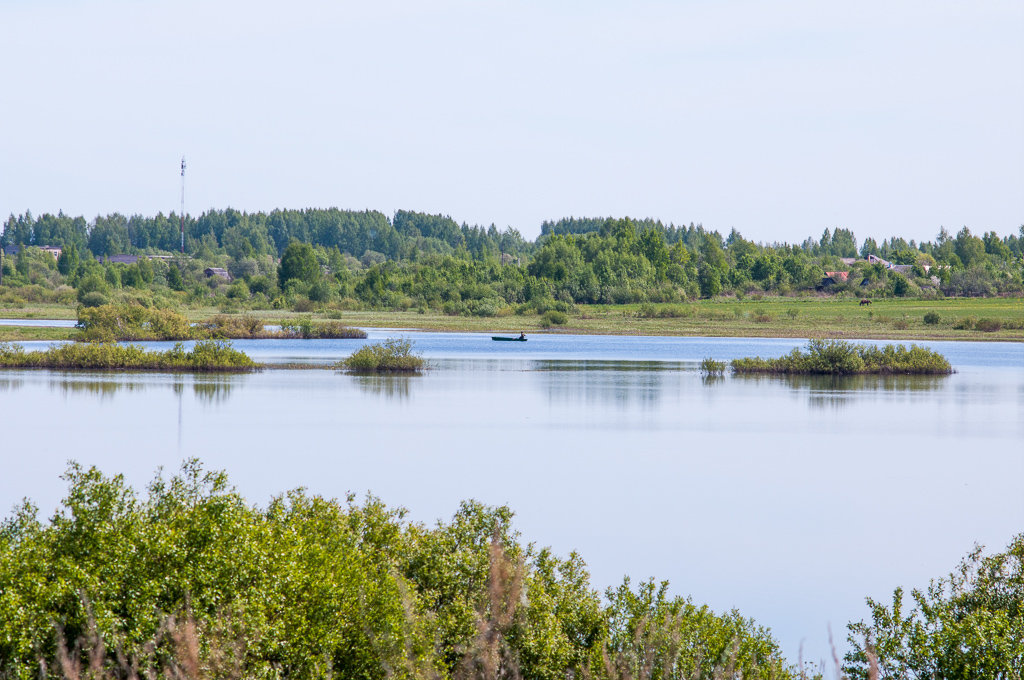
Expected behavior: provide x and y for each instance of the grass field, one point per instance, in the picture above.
(889, 319)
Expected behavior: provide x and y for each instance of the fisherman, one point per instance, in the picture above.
(522, 335)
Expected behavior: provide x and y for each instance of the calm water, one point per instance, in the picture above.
(790, 500)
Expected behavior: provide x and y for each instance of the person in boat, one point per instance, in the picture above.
(522, 335)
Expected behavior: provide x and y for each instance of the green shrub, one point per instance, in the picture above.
(932, 318)
(711, 367)
(389, 356)
(965, 324)
(207, 355)
(553, 317)
(94, 299)
(133, 322)
(988, 325)
(837, 357)
(313, 587)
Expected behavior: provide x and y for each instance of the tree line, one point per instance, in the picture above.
(419, 261)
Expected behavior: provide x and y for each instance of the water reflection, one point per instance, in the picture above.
(208, 389)
(212, 389)
(838, 391)
(620, 383)
(104, 388)
(11, 384)
(388, 386)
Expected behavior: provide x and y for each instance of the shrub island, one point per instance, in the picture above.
(837, 357)
(390, 356)
(205, 356)
(109, 323)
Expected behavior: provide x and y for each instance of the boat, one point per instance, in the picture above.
(502, 338)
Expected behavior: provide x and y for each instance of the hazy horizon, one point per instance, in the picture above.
(778, 119)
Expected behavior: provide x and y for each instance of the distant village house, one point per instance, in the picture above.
(217, 271)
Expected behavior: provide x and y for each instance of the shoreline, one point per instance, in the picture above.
(893, 320)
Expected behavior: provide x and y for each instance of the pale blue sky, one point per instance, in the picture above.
(777, 118)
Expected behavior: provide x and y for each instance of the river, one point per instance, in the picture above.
(788, 499)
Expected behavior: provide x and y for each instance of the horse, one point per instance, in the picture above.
(865, 302)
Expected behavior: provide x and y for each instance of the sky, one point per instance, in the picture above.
(779, 118)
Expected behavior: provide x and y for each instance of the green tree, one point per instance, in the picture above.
(298, 263)
(67, 263)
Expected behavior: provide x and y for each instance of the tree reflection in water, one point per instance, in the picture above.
(838, 391)
(622, 383)
(388, 386)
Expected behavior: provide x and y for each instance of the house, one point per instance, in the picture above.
(874, 259)
(838, 276)
(122, 259)
(848, 261)
(217, 271)
(905, 269)
(52, 250)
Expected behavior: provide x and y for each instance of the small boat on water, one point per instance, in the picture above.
(502, 338)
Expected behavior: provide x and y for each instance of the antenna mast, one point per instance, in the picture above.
(182, 205)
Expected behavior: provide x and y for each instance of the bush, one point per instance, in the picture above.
(208, 355)
(965, 324)
(314, 587)
(932, 318)
(969, 624)
(302, 305)
(390, 356)
(837, 357)
(94, 299)
(711, 367)
(553, 317)
(988, 325)
(133, 322)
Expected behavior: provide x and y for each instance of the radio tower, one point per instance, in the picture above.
(182, 205)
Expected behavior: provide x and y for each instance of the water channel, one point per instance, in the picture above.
(788, 499)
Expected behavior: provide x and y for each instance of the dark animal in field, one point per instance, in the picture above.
(865, 302)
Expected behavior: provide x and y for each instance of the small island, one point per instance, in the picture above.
(389, 356)
(206, 356)
(838, 357)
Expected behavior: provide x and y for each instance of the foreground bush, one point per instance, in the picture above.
(206, 355)
(310, 588)
(969, 624)
(390, 356)
(837, 357)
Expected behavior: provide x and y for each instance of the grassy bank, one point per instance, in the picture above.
(885, 319)
(207, 356)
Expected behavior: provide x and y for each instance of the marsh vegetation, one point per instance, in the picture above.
(389, 356)
(205, 356)
(837, 357)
